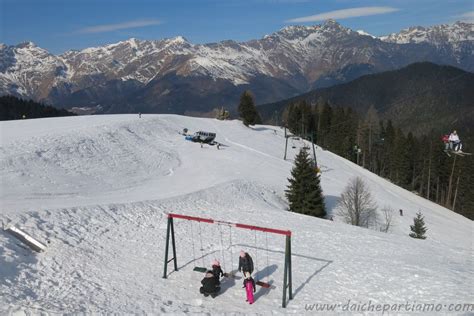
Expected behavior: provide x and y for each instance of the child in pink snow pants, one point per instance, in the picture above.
(249, 285)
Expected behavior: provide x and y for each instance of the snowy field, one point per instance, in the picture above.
(96, 190)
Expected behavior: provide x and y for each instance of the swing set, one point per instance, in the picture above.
(287, 278)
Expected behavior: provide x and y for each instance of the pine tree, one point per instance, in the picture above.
(418, 228)
(304, 191)
(247, 110)
(324, 120)
(293, 120)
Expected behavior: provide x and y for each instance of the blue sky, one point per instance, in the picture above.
(60, 25)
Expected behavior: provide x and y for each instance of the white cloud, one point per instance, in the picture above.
(344, 14)
(119, 26)
(468, 16)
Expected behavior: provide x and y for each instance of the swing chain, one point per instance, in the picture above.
(256, 254)
(267, 277)
(222, 247)
(231, 253)
(192, 240)
(202, 248)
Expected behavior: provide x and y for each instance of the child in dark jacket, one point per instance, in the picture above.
(210, 286)
(217, 270)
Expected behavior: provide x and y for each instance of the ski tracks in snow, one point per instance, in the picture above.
(108, 257)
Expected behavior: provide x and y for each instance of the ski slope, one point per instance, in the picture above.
(96, 190)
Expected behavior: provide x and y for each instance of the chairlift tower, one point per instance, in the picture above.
(312, 143)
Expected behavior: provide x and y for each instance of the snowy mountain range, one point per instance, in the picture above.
(176, 76)
(96, 191)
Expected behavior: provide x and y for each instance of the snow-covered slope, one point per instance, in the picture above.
(96, 190)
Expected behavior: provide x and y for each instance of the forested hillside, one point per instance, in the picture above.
(418, 98)
(12, 108)
(417, 163)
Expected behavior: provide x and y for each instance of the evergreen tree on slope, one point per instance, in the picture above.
(418, 228)
(304, 191)
(247, 110)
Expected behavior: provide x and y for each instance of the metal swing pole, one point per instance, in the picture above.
(287, 278)
(290, 278)
(170, 231)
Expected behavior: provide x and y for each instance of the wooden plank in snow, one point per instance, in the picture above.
(26, 239)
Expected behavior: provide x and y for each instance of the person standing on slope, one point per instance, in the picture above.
(249, 285)
(217, 270)
(245, 262)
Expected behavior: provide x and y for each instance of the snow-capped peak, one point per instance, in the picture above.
(178, 40)
(331, 22)
(301, 32)
(291, 52)
(452, 33)
(364, 33)
(133, 42)
(26, 44)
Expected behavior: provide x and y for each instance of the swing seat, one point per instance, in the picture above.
(200, 269)
(232, 276)
(263, 284)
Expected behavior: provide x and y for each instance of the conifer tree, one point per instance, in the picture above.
(294, 117)
(247, 110)
(418, 228)
(304, 191)
(324, 124)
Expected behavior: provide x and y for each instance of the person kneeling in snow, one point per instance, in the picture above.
(217, 270)
(210, 286)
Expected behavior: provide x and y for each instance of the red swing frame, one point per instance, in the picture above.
(287, 278)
